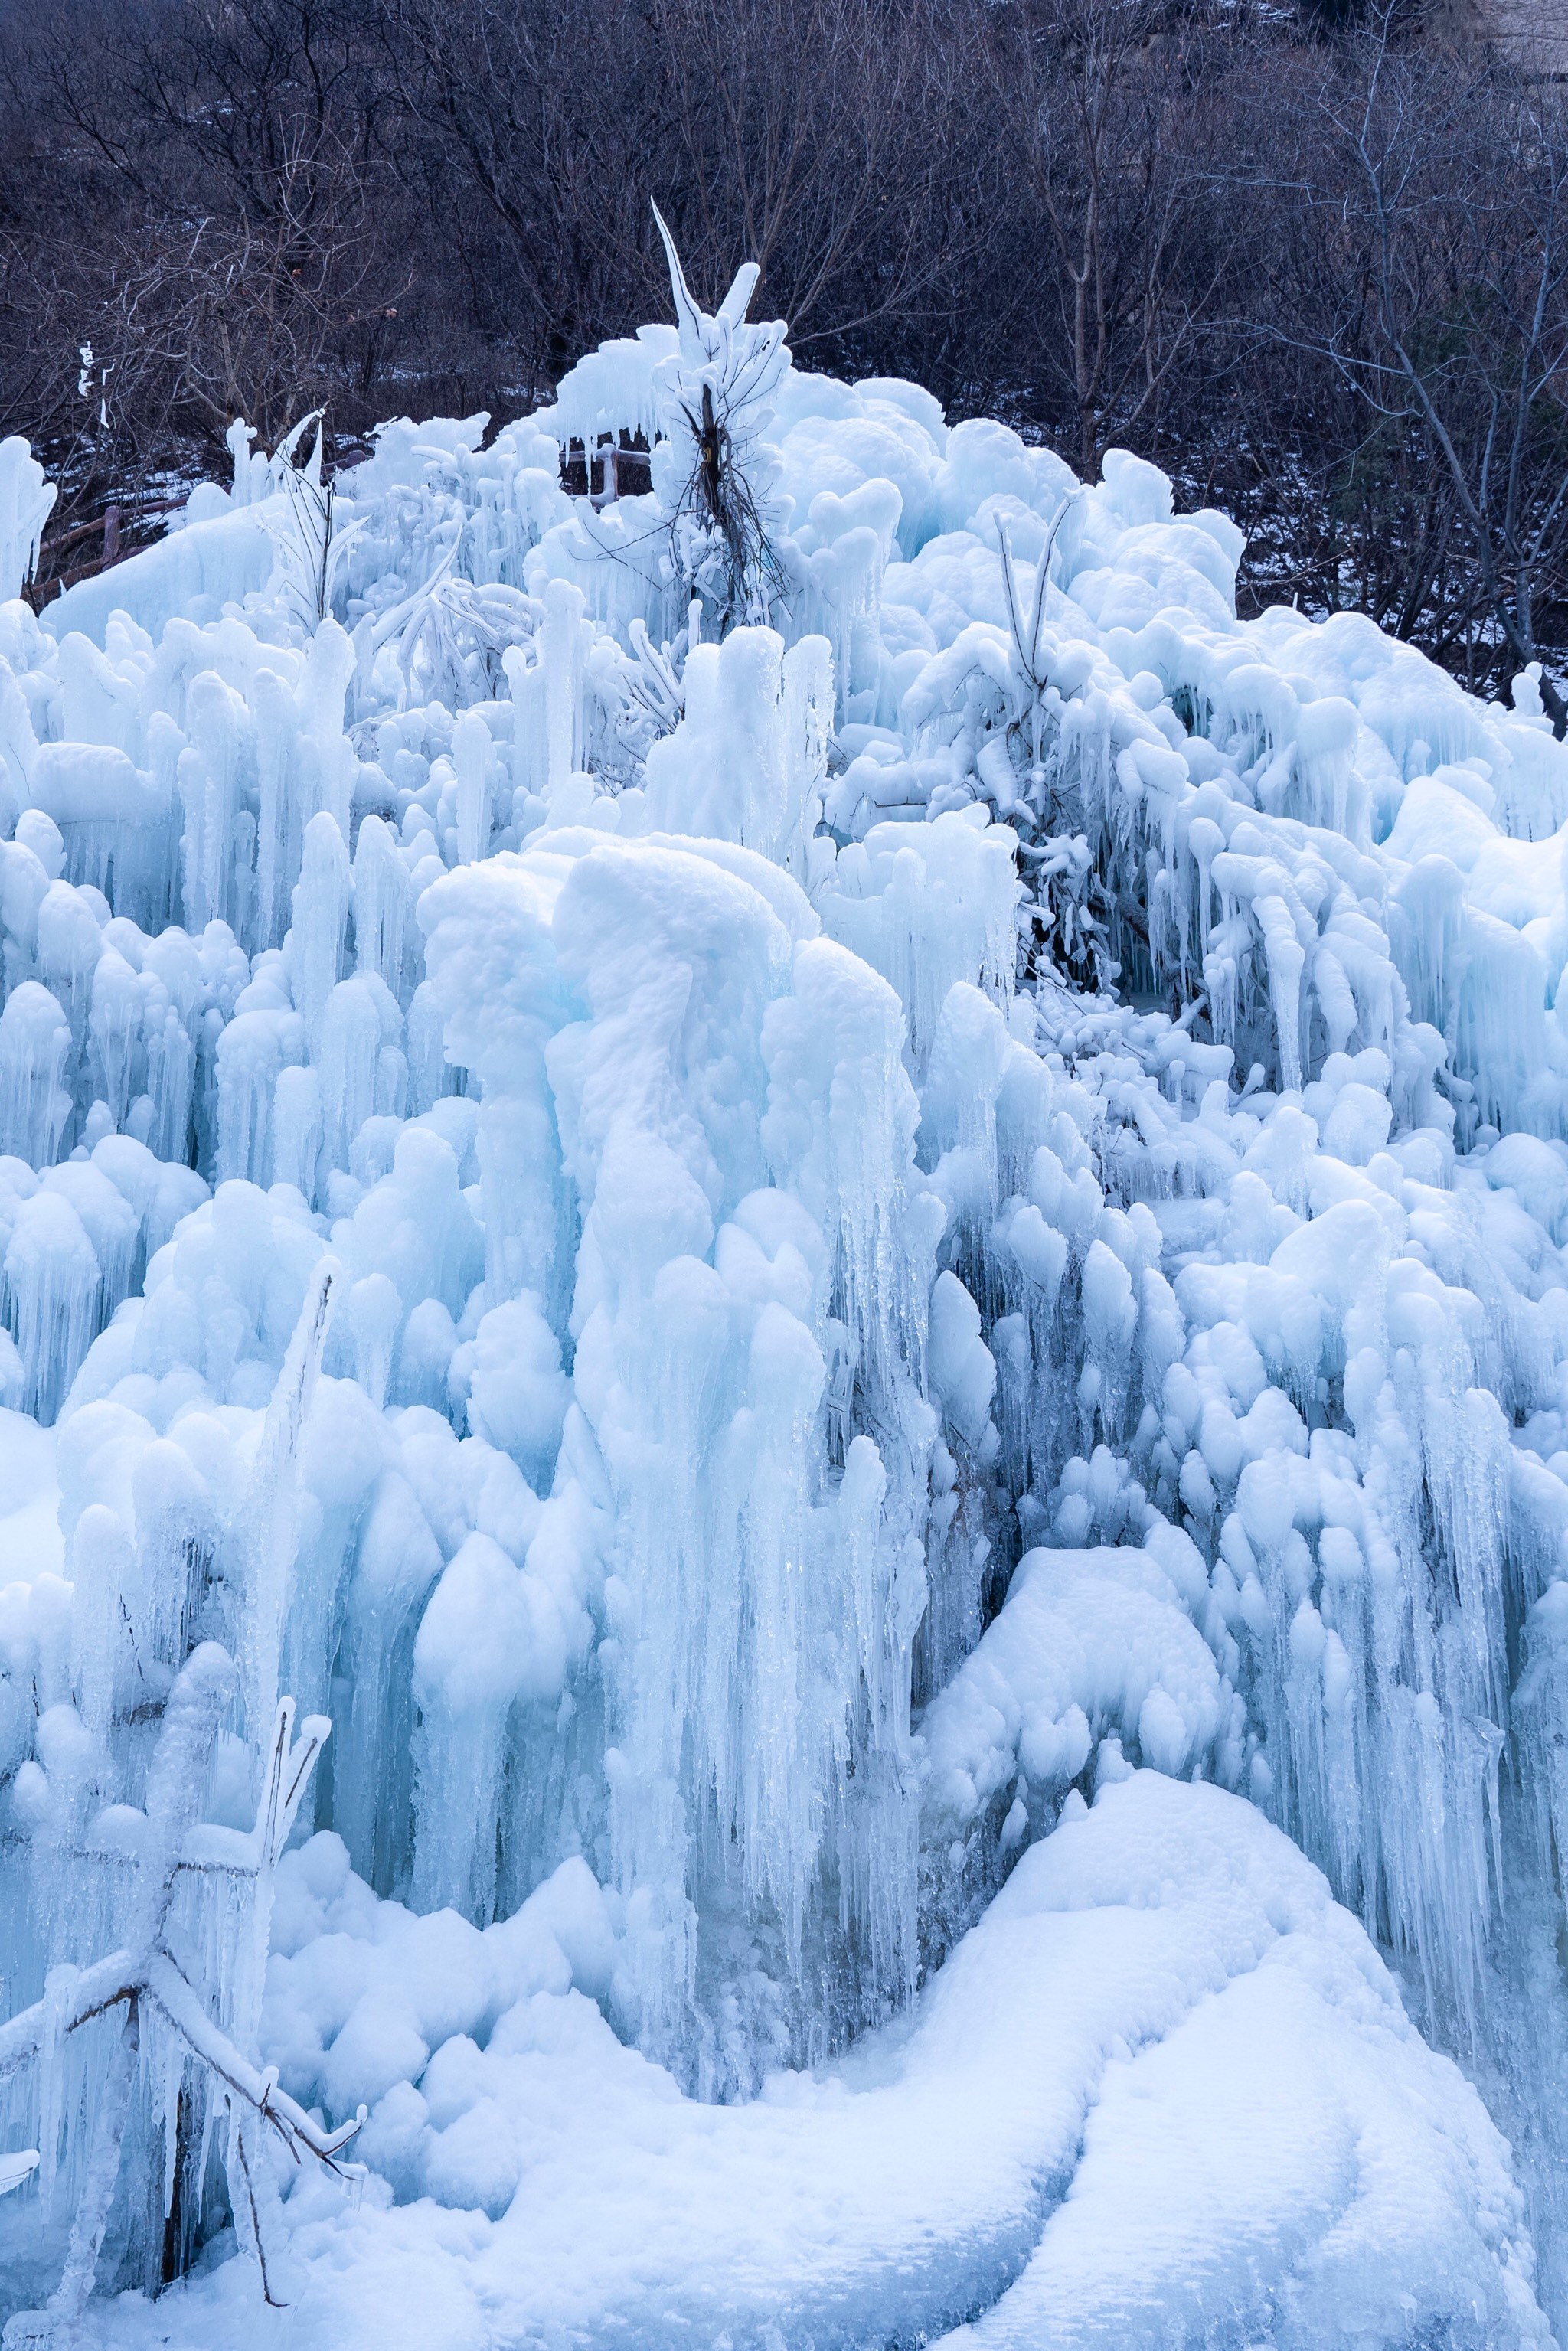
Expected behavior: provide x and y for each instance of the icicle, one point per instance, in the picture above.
(561, 658)
(34, 1042)
(315, 947)
(381, 902)
(26, 502)
(471, 756)
(52, 1286)
(360, 1018)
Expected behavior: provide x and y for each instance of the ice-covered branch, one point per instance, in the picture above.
(716, 399)
(144, 1979)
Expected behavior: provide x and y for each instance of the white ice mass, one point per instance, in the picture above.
(843, 1224)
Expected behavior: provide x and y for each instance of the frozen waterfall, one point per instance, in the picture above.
(852, 1241)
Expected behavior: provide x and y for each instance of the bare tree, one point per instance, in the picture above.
(535, 150)
(1446, 189)
(1107, 100)
(814, 136)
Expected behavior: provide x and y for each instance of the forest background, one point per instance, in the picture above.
(1313, 259)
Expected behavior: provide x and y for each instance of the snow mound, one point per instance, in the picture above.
(1163, 2090)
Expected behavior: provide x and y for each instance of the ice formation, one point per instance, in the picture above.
(844, 1221)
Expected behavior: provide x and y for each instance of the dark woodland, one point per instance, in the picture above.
(1313, 260)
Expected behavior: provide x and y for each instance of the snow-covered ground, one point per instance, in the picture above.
(843, 1222)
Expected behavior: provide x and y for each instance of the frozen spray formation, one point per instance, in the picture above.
(845, 1221)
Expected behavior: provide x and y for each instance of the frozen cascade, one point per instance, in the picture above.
(807, 1221)
(704, 1389)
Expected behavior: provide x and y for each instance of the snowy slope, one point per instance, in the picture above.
(850, 1234)
(1164, 2090)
